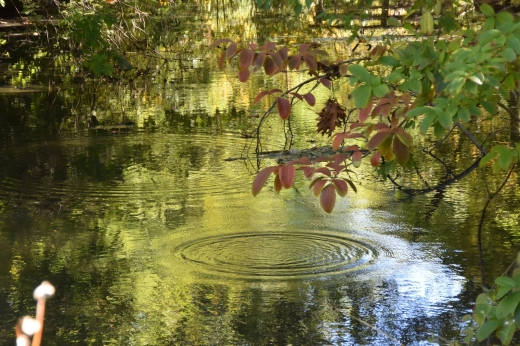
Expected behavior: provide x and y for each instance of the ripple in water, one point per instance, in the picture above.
(277, 255)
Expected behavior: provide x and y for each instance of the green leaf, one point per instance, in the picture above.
(416, 111)
(360, 72)
(488, 106)
(509, 54)
(308, 3)
(505, 281)
(362, 95)
(487, 328)
(464, 115)
(445, 119)
(513, 43)
(481, 312)
(392, 21)
(487, 10)
(505, 334)
(389, 61)
(416, 86)
(508, 305)
(438, 130)
(381, 90)
(489, 156)
(427, 122)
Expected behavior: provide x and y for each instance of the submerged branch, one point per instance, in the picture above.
(481, 225)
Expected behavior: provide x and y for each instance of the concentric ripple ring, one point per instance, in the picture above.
(264, 255)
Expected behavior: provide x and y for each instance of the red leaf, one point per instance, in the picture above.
(277, 184)
(318, 185)
(326, 82)
(284, 108)
(311, 100)
(328, 198)
(365, 112)
(338, 139)
(341, 187)
(375, 159)
(222, 61)
(269, 66)
(401, 151)
(284, 53)
(295, 62)
(377, 139)
(246, 59)
(356, 158)
(286, 174)
(406, 97)
(231, 50)
(311, 62)
(261, 178)
(277, 59)
(219, 41)
(264, 93)
(243, 75)
(253, 46)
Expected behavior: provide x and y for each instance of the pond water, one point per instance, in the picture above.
(152, 237)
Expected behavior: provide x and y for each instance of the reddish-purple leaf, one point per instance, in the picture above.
(381, 127)
(404, 136)
(311, 100)
(222, 61)
(303, 48)
(261, 178)
(328, 198)
(277, 59)
(326, 82)
(311, 62)
(277, 183)
(231, 50)
(406, 97)
(295, 62)
(261, 95)
(323, 170)
(318, 52)
(341, 187)
(269, 66)
(375, 159)
(352, 186)
(356, 158)
(318, 185)
(365, 112)
(338, 139)
(264, 93)
(298, 96)
(219, 41)
(286, 174)
(401, 151)
(259, 60)
(339, 158)
(284, 108)
(377, 139)
(253, 46)
(270, 46)
(246, 59)
(301, 161)
(307, 171)
(343, 69)
(284, 53)
(243, 75)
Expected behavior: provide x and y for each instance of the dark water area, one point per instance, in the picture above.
(152, 237)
